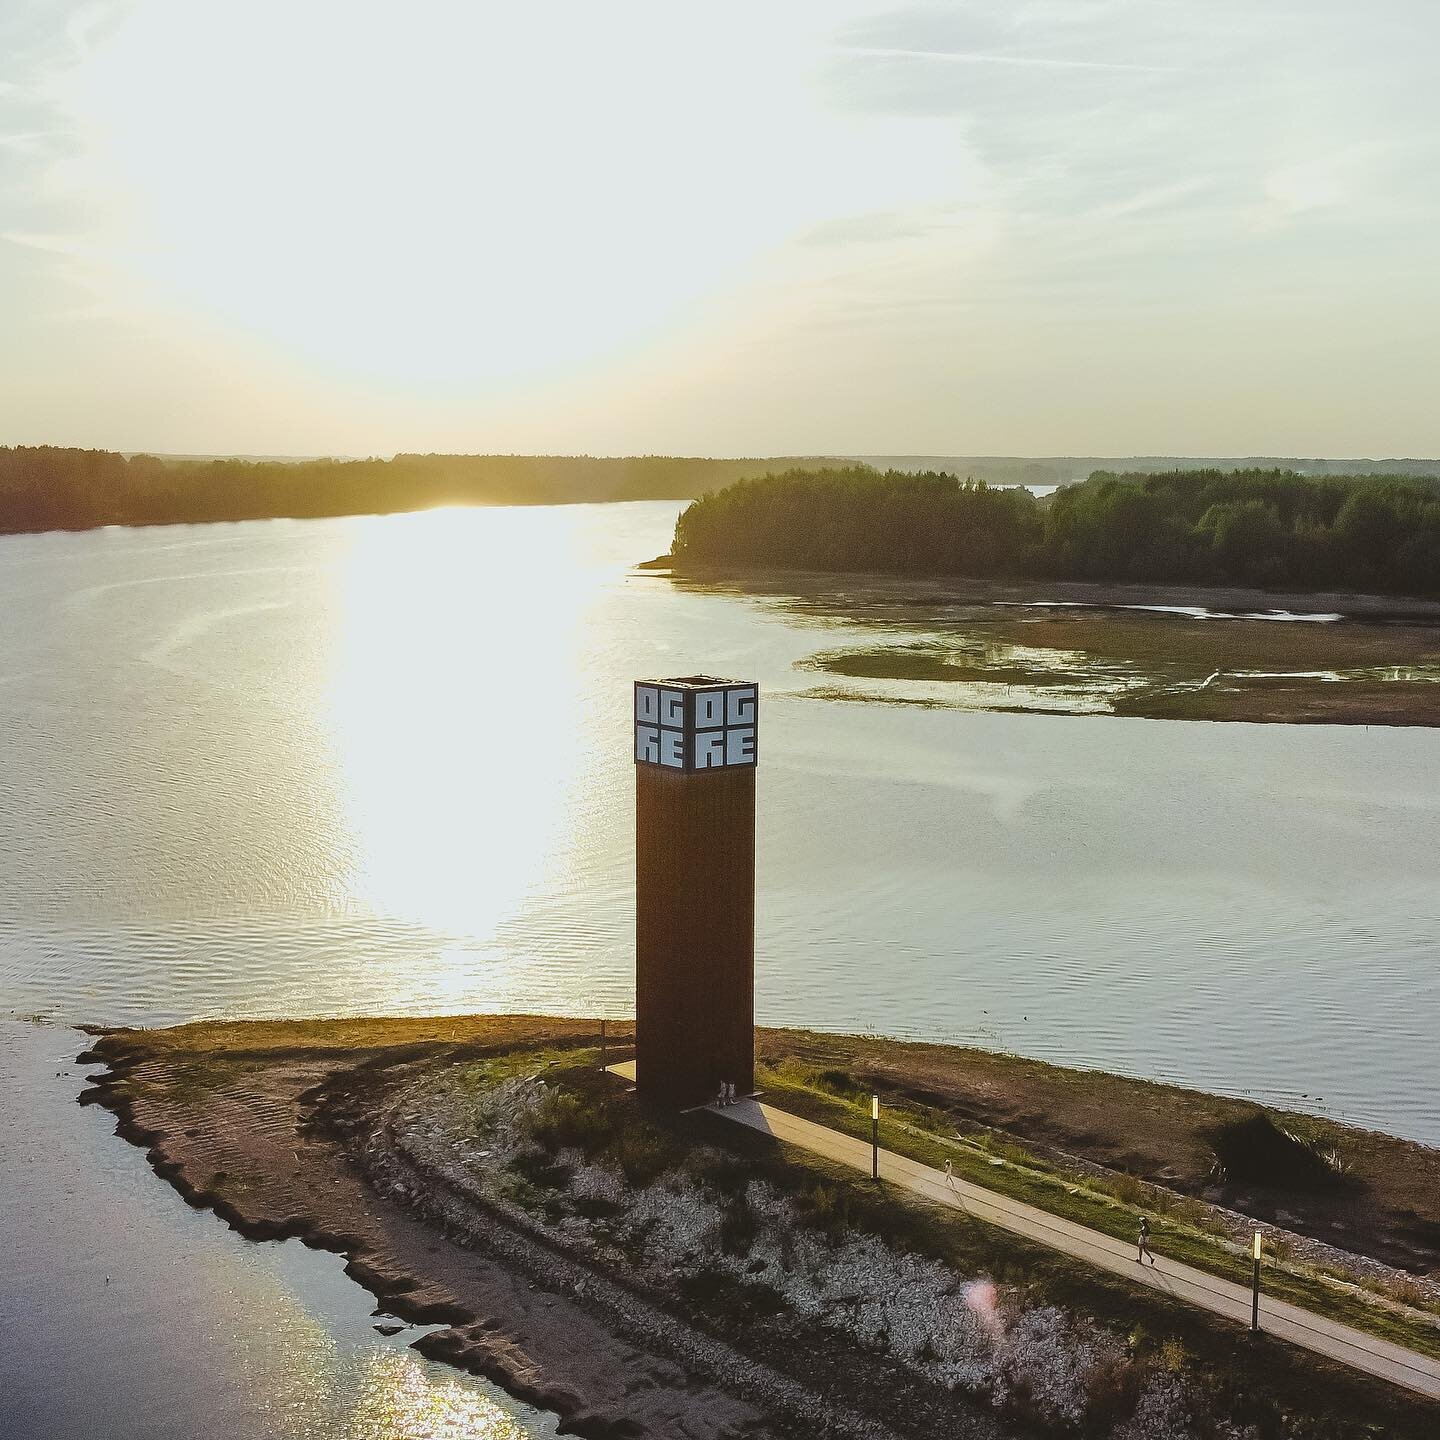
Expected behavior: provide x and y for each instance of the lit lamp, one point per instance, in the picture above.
(1255, 1287)
(874, 1137)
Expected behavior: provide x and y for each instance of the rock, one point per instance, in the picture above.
(389, 1329)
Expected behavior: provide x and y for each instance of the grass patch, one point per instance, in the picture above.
(571, 1119)
(993, 665)
(1152, 665)
(1179, 1231)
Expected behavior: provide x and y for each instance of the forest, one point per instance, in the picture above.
(1269, 528)
(1265, 527)
(47, 487)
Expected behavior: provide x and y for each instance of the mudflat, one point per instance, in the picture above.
(1155, 652)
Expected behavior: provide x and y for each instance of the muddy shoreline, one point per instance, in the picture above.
(274, 1150)
(1156, 652)
(374, 1244)
(282, 1129)
(1101, 594)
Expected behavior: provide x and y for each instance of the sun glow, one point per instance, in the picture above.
(456, 191)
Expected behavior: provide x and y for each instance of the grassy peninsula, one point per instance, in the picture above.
(646, 1273)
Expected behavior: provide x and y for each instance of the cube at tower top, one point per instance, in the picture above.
(693, 723)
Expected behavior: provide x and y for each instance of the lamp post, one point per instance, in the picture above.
(875, 1138)
(1255, 1287)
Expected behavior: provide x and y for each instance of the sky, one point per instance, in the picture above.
(761, 228)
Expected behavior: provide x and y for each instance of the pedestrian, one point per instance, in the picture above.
(950, 1173)
(1143, 1243)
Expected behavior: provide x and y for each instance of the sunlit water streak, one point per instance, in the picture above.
(130, 1316)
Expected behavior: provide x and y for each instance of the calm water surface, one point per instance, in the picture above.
(382, 765)
(129, 1316)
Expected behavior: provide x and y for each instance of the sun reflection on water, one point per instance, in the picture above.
(399, 1401)
(455, 700)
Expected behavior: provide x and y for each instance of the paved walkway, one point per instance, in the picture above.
(1301, 1327)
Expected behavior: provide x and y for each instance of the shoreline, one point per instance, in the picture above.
(1141, 651)
(539, 1323)
(277, 1126)
(1101, 594)
(512, 1342)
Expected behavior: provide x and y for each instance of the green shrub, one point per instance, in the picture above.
(724, 1173)
(539, 1168)
(567, 1121)
(739, 1227)
(1129, 1190)
(842, 1083)
(1258, 1151)
(642, 1153)
(825, 1208)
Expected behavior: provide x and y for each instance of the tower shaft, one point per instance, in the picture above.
(694, 933)
(695, 756)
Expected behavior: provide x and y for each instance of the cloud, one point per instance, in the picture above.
(1323, 182)
(50, 244)
(25, 142)
(972, 57)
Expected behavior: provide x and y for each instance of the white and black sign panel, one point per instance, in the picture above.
(691, 728)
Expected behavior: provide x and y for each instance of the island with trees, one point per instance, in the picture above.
(1274, 529)
(1145, 595)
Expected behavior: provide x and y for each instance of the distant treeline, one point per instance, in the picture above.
(1270, 528)
(1067, 469)
(49, 488)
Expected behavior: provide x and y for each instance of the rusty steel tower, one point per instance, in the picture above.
(695, 749)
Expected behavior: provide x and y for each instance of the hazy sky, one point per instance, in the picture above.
(989, 226)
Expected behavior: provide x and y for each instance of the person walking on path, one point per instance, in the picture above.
(950, 1173)
(1143, 1243)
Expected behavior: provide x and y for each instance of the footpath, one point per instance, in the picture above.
(1355, 1348)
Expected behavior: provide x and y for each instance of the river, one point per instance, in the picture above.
(382, 764)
